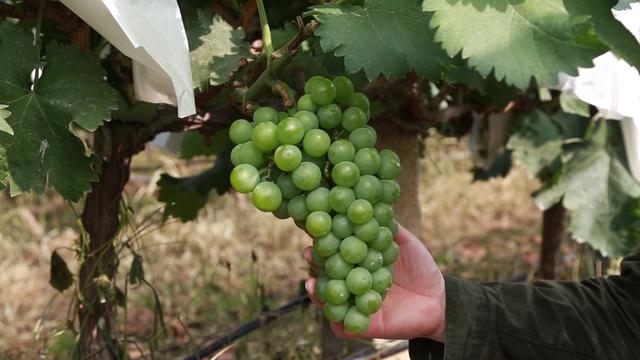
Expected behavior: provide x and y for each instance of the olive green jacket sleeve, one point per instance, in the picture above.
(592, 319)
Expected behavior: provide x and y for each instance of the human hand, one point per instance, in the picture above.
(415, 304)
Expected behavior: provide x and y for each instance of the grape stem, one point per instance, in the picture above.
(266, 31)
(37, 42)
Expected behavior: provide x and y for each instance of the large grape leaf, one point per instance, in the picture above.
(216, 48)
(517, 39)
(609, 30)
(536, 141)
(71, 89)
(383, 37)
(4, 125)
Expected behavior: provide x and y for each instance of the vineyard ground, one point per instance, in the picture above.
(233, 262)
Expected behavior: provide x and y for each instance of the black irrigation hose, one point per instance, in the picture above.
(248, 327)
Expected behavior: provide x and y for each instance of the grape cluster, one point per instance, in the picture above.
(318, 165)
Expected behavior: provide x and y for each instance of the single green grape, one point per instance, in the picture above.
(335, 313)
(310, 81)
(320, 288)
(264, 136)
(318, 200)
(235, 155)
(316, 142)
(287, 157)
(381, 280)
(389, 154)
(308, 119)
(360, 101)
(337, 267)
(383, 212)
(353, 250)
(359, 281)
(368, 161)
(389, 168)
(345, 174)
(393, 226)
(290, 131)
(341, 226)
(383, 240)
(369, 302)
(369, 188)
(364, 137)
(285, 183)
(307, 176)
(341, 150)
(336, 292)
(353, 118)
(266, 196)
(340, 198)
(329, 116)
(281, 212)
(322, 91)
(390, 254)
(360, 211)
(244, 178)
(249, 153)
(327, 245)
(306, 104)
(373, 261)
(297, 208)
(355, 321)
(368, 231)
(390, 191)
(318, 223)
(265, 114)
(344, 88)
(240, 131)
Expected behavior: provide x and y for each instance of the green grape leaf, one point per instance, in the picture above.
(60, 276)
(71, 89)
(595, 186)
(184, 197)
(4, 114)
(383, 37)
(624, 4)
(216, 48)
(517, 39)
(571, 104)
(536, 141)
(195, 144)
(610, 31)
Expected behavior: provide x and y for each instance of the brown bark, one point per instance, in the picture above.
(553, 232)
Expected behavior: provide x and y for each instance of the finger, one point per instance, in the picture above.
(307, 256)
(310, 286)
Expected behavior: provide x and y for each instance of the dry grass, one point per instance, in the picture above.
(234, 261)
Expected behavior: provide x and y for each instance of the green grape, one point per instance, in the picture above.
(316, 142)
(235, 155)
(390, 191)
(353, 250)
(336, 292)
(391, 254)
(337, 267)
(321, 161)
(287, 157)
(373, 261)
(329, 116)
(355, 321)
(393, 226)
(353, 118)
(308, 119)
(281, 212)
(327, 245)
(318, 200)
(248, 153)
(335, 313)
(318, 260)
(381, 280)
(289, 190)
(244, 178)
(389, 154)
(318, 223)
(368, 231)
(360, 211)
(341, 150)
(306, 104)
(344, 88)
(307, 85)
(389, 168)
(340, 198)
(345, 174)
(265, 114)
(341, 226)
(359, 281)
(368, 188)
(240, 131)
(322, 91)
(266, 196)
(383, 240)
(297, 208)
(290, 131)
(383, 212)
(359, 100)
(369, 302)
(264, 136)
(364, 137)
(307, 176)
(320, 288)
(368, 161)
